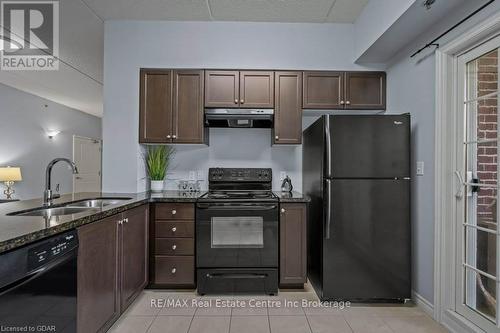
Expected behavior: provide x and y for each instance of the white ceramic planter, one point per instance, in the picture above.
(157, 185)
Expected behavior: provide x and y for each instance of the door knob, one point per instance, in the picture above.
(342, 102)
(174, 212)
(174, 229)
(236, 101)
(174, 247)
(174, 270)
(174, 136)
(242, 101)
(168, 136)
(276, 137)
(348, 102)
(283, 210)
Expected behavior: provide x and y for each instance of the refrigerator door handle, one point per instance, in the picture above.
(328, 208)
(328, 147)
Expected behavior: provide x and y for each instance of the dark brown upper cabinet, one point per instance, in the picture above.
(222, 89)
(365, 90)
(256, 89)
(323, 90)
(171, 106)
(187, 120)
(239, 89)
(344, 90)
(155, 121)
(293, 245)
(288, 111)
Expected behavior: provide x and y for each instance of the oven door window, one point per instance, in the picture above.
(237, 232)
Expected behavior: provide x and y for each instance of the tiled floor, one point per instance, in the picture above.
(152, 313)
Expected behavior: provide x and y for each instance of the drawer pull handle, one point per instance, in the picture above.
(174, 229)
(174, 247)
(174, 270)
(174, 212)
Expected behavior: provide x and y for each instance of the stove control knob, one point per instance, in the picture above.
(174, 229)
(174, 270)
(174, 247)
(174, 212)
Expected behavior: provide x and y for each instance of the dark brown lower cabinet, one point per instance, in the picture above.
(98, 294)
(172, 262)
(134, 254)
(112, 267)
(293, 246)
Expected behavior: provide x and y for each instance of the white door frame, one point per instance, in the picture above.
(446, 184)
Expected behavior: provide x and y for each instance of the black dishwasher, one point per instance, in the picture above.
(38, 286)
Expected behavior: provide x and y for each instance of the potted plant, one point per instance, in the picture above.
(158, 159)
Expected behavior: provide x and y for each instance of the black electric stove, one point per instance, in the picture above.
(237, 233)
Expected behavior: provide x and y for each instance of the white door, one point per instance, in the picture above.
(87, 157)
(477, 259)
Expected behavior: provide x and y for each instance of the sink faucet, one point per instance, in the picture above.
(47, 194)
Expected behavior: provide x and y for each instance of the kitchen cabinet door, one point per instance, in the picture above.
(365, 90)
(256, 89)
(293, 246)
(288, 111)
(323, 90)
(188, 107)
(222, 89)
(155, 121)
(134, 254)
(98, 292)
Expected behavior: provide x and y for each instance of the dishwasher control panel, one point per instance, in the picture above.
(55, 247)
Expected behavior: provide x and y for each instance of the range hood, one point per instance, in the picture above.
(239, 118)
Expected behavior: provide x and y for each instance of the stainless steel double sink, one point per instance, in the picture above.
(70, 208)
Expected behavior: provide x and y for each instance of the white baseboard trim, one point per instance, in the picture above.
(423, 304)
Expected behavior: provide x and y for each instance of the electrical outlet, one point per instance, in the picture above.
(282, 175)
(192, 175)
(420, 168)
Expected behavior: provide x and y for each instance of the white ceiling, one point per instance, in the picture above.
(331, 11)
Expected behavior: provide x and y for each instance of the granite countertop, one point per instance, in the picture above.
(292, 196)
(16, 231)
(19, 230)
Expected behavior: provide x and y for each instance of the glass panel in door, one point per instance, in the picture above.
(478, 235)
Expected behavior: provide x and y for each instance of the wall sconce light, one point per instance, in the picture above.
(52, 133)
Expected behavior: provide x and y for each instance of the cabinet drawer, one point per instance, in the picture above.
(174, 211)
(174, 229)
(174, 270)
(174, 246)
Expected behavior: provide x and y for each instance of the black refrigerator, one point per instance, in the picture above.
(356, 170)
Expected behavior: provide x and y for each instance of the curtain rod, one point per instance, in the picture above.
(433, 42)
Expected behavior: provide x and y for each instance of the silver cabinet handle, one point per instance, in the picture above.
(120, 222)
(236, 101)
(348, 102)
(242, 101)
(342, 102)
(125, 220)
(277, 137)
(174, 270)
(283, 210)
(174, 247)
(174, 212)
(174, 229)
(174, 136)
(168, 136)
